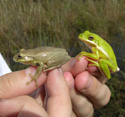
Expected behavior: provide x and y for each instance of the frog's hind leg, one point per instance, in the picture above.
(93, 63)
(57, 61)
(105, 68)
(100, 67)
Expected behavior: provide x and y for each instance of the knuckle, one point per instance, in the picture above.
(107, 97)
(6, 86)
(90, 111)
(84, 108)
(104, 98)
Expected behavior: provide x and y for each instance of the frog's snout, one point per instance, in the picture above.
(14, 58)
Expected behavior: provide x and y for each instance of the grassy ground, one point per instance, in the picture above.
(33, 23)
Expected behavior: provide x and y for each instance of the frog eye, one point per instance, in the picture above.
(37, 64)
(19, 56)
(91, 38)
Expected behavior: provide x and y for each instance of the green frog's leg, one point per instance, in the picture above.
(111, 66)
(36, 75)
(88, 55)
(106, 66)
(93, 63)
(79, 56)
(102, 65)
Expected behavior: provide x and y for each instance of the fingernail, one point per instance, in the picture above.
(72, 62)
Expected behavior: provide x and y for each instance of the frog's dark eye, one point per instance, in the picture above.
(91, 38)
(37, 64)
(19, 56)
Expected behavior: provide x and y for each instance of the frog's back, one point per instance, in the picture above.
(43, 50)
(47, 49)
(45, 53)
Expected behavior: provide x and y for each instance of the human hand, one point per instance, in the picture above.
(86, 91)
(15, 101)
(89, 92)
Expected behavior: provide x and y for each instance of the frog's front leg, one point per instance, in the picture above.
(34, 77)
(88, 55)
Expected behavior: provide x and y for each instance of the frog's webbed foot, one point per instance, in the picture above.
(34, 78)
(80, 55)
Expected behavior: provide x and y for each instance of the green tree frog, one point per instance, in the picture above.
(102, 55)
(45, 58)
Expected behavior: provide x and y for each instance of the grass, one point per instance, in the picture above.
(33, 23)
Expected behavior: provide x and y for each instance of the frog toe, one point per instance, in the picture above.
(34, 78)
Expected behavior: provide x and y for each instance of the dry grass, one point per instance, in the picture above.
(33, 23)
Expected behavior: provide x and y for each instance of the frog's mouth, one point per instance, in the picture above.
(25, 60)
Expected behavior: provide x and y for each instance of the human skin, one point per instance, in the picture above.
(84, 93)
(87, 90)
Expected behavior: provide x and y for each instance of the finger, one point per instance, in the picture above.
(40, 95)
(81, 105)
(95, 72)
(98, 93)
(14, 84)
(58, 91)
(75, 67)
(21, 106)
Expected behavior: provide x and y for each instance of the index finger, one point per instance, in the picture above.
(14, 84)
(75, 67)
